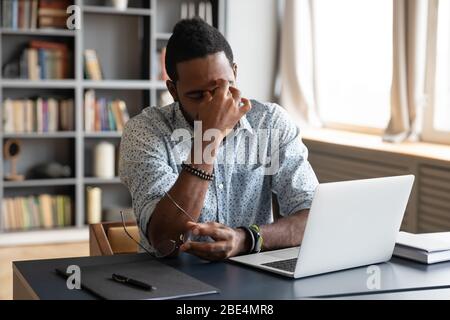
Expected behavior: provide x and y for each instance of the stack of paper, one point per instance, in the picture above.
(425, 247)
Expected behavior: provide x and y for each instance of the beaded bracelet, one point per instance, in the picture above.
(197, 172)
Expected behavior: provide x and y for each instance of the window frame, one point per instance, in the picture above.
(353, 128)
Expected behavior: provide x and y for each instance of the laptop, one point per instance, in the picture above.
(350, 224)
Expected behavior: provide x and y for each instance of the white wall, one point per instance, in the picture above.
(251, 31)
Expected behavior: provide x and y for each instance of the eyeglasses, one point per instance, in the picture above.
(164, 248)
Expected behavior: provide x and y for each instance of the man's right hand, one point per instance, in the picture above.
(222, 110)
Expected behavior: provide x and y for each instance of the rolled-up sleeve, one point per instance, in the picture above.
(144, 170)
(294, 182)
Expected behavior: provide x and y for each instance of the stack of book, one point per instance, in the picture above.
(426, 248)
(103, 115)
(31, 14)
(53, 14)
(33, 212)
(45, 60)
(39, 115)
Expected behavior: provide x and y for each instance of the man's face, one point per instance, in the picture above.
(197, 76)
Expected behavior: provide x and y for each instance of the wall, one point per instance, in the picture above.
(251, 31)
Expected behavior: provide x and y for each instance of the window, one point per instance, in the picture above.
(437, 123)
(353, 41)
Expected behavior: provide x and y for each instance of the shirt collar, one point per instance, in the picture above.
(180, 122)
(245, 125)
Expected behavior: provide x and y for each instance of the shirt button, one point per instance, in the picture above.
(220, 186)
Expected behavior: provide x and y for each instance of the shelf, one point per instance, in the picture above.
(23, 83)
(39, 183)
(105, 134)
(163, 35)
(41, 135)
(160, 85)
(93, 180)
(59, 235)
(115, 35)
(88, 84)
(112, 10)
(120, 84)
(38, 32)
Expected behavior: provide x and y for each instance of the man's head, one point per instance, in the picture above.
(197, 56)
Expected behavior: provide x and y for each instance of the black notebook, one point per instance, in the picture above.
(169, 282)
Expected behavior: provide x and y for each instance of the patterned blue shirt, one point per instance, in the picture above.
(263, 156)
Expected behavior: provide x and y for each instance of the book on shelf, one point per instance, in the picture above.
(53, 14)
(101, 114)
(38, 115)
(32, 14)
(93, 205)
(40, 60)
(36, 212)
(92, 67)
(191, 10)
(204, 11)
(53, 59)
(427, 248)
(20, 14)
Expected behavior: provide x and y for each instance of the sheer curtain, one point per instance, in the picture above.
(296, 63)
(437, 84)
(408, 80)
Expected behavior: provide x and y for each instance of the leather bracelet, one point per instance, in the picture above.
(252, 238)
(202, 174)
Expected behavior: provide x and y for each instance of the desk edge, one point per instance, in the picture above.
(20, 283)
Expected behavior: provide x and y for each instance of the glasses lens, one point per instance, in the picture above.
(165, 248)
(168, 246)
(187, 236)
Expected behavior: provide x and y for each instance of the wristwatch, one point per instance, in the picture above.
(258, 243)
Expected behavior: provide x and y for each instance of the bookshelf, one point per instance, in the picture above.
(127, 44)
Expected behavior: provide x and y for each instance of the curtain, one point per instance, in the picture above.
(296, 62)
(430, 75)
(408, 78)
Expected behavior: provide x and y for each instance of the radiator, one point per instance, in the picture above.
(434, 199)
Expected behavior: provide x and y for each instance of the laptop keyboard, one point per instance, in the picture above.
(286, 265)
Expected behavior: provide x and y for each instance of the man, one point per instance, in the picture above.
(196, 185)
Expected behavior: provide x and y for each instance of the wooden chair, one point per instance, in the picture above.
(109, 238)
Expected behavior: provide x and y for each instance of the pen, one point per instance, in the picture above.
(135, 283)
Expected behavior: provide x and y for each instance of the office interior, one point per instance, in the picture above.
(366, 81)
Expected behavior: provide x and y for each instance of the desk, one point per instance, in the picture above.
(38, 280)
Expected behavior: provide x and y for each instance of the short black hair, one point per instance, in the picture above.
(191, 39)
